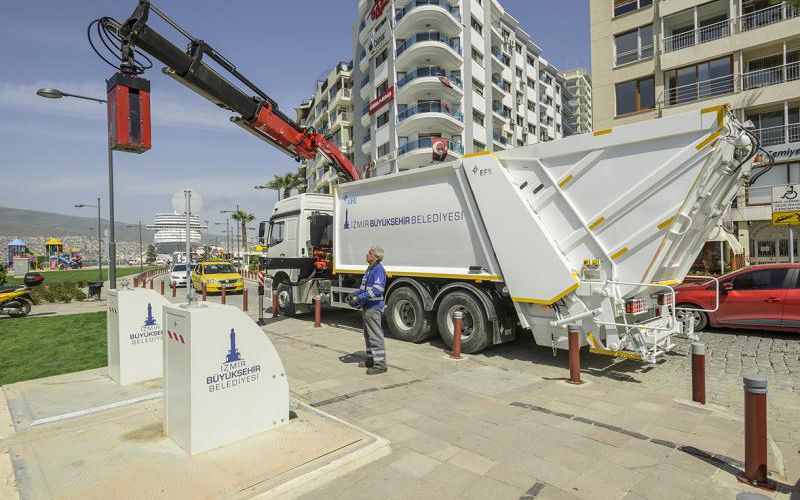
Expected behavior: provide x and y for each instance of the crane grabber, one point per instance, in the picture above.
(223, 84)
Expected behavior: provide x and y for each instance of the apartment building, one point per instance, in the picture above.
(448, 77)
(577, 101)
(652, 58)
(329, 111)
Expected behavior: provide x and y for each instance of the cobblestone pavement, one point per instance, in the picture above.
(503, 424)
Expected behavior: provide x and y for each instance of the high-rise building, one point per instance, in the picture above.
(444, 78)
(329, 111)
(652, 58)
(577, 101)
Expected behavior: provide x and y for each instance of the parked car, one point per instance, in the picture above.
(765, 297)
(217, 275)
(177, 276)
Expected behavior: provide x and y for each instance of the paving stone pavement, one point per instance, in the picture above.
(504, 424)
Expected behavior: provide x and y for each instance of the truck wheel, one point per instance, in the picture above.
(406, 316)
(285, 299)
(475, 335)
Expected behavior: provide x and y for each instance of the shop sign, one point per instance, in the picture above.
(381, 101)
(786, 205)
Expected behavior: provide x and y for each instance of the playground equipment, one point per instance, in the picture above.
(16, 248)
(71, 260)
(53, 248)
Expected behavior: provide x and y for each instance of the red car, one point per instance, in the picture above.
(763, 297)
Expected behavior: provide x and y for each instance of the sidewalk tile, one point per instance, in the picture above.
(415, 464)
(472, 462)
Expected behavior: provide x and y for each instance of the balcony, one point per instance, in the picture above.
(420, 153)
(426, 81)
(502, 58)
(442, 116)
(777, 136)
(501, 84)
(438, 15)
(365, 116)
(770, 76)
(715, 31)
(428, 48)
(498, 138)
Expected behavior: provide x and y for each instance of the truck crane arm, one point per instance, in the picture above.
(258, 114)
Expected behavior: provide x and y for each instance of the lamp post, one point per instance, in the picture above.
(112, 243)
(227, 243)
(237, 226)
(141, 264)
(99, 236)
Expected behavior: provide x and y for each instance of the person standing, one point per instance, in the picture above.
(370, 296)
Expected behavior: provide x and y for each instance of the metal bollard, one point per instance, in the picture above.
(574, 355)
(244, 300)
(317, 311)
(151, 283)
(173, 289)
(274, 303)
(699, 373)
(162, 287)
(755, 432)
(135, 282)
(204, 291)
(222, 296)
(457, 318)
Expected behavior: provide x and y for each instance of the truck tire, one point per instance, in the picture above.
(406, 316)
(475, 328)
(285, 299)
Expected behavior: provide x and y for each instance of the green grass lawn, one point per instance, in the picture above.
(40, 347)
(81, 274)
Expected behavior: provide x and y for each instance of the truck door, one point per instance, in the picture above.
(283, 239)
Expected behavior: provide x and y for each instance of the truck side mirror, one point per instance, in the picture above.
(262, 231)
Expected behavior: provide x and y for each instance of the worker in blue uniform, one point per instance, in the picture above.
(370, 296)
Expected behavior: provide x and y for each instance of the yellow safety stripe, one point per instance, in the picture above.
(618, 354)
(719, 110)
(592, 341)
(479, 153)
(619, 253)
(602, 132)
(668, 282)
(666, 223)
(596, 223)
(469, 277)
(566, 180)
(705, 142)
(550, 301)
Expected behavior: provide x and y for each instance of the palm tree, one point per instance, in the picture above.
(243, 218)
(285, 184)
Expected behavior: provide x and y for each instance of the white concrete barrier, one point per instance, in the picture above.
(133, 330)
(223, 379)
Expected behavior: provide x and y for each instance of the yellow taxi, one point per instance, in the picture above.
(217, 275)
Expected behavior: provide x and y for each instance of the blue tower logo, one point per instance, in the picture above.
(150, 321)
(233, 354)
(346, 219)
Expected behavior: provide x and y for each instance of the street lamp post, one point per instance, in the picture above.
(141, 263)
(112, 243)
(99, 236)
(237, 225)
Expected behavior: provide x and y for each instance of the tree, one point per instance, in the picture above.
(285, 183)
(151, 254)
(243, 218)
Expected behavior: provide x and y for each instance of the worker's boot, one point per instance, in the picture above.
(366, 364)
(376, 370)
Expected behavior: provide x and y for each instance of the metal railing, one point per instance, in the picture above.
(500, 83)
(365, 110)
(501, 112)
(771, 76)
(497, 53)
(746, 22)
(699, 90)
(433, 36)
(497, 137)
(637, 54)
(428, 71)
(367, 138)
(426, 142)
(781, 134)
(413, 4)
(430, 107)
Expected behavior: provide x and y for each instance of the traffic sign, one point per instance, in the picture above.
(786, 205)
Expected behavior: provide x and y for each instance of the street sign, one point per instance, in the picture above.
(786, 205)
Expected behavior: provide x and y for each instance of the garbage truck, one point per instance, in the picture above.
(592, 230)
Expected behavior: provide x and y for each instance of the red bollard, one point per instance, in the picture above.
(162, 288)
(222, 296)
(135, 282)
(699, 373)
(274, 303)
(574, 355)
(457, 319)
(244, 300)
(173, 289)
(204, 292)
(317, 311)
(755, 432)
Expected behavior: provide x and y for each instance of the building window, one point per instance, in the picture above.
(381, 58)
(478, 117)
(519, 72)
(382, 88)
(531, 83)
(700, 81)
(477, 56)
(383, 119)
(634, 45)
(531, 106)
(478, 86)
(518, 48)
(476, 25)
(383, 150)
(531, 61)
(478, 146)
(635, 95)
(624, 6)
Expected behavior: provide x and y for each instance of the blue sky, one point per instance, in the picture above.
(53, 151)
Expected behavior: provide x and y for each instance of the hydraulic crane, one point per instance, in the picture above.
(258, 114)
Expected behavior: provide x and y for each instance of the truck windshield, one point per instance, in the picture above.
(219, 269)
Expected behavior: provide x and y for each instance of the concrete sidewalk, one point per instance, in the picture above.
(504, 424)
